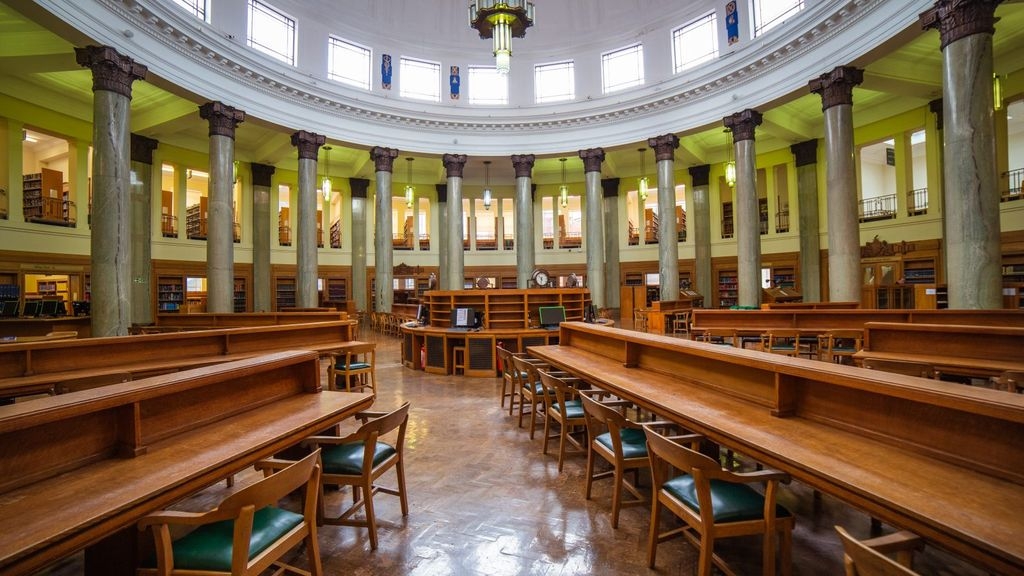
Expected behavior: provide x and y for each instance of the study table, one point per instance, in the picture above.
(77, 471)
(940, 459)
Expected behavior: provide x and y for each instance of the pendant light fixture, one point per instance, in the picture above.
(501, 20)
(563, 190)
(642, 183)
(325, 186)
(409, 190)
(730, 166)
(487, 184)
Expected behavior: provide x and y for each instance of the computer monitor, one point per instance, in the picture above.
(32, 308)
(52, 308)
(551, 316)
(463, 318)
(422, 314)
(9, 309)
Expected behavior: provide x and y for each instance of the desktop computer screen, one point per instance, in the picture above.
(9, 309)
(32, 308)
(463, 318)
(551, 316)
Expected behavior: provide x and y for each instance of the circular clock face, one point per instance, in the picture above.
(540, 277)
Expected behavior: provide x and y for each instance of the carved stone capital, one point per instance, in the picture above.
(308, 144)
(222, 118)
(664, 146)
(935, 106)
(383, 158)
(142, 149)
(111, 71)
(700, 175)
(261, 174)
(956, 19)
(836, 87)
(442, 193)
(360, 187)
(610, 187)
(453, 164)
(592, 159)
(523, 165)
(806, 153)
(742, 124)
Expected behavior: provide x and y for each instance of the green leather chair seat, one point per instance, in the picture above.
(209, 547)
(353, 366)
(731, 502)
(348, 458)
(538, 389)
(849, 349)
(573, 408)
(634, 443)
(786, 347)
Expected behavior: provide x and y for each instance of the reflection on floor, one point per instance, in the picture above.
(484, 500)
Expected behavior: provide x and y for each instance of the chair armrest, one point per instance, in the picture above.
(180, 518)
(270, 465)
(895, 542)
(332, 440)
(765, 475)
(369, 415)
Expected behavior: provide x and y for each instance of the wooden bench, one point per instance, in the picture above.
(975, 351)
(78, 470)
(209, 320)
(937, 458)
(56, 367)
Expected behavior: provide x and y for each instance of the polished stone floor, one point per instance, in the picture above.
(484, 500)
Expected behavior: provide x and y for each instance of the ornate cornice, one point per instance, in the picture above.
(453, 164)
(142, 149)
(523, 165)
(742, 124)
(956, 19)
(805, 153)
(111, 71)
(836, 87)
(308, 144)
(383, 158)
(610, 187)
(664, 146)
(592, 159)
(261, 174)
(359, 186)
(700, 175)
(223, 119)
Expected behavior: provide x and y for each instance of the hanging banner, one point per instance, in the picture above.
(732, 22)
(385, 71)
(453, 82)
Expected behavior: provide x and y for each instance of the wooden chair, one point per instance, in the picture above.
(508, 379)
(785, 342)
(640, 319)
(621, 443)
(725, 336)
(354, 370)
(714, 503)
(246, 533)
(681, 323)
(531, 391)
(868, 557)
(564, 408)
(359, 460)
(1010, 381)
(837, 345)
(907, 367)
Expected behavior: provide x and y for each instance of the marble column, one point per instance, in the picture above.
(592, 159)
(701, 176)
(748, 228)
(442, 234)
(612, 270)
(452, 277)
(112, 78)
(12, 153)
(306, 242)
(806, 155)
(526, 254)
(936, 168)
(668, 234)
(836, 90)
(973, 253)
(360, 188)
(384, 293)
(220, 222)
(262, 232)
(142, 229)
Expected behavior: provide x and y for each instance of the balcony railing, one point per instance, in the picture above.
(917, 202)
(878, 208)
(1013, 191)
(782, 221)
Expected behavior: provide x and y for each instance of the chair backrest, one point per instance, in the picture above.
(524, 366)
(562, 391)
(862, 560)
(507, 365)
(270, 490)
(601, 418)
(365, 352)
(1011, 381)
(719, 335)
(372, 430)
(907, 367)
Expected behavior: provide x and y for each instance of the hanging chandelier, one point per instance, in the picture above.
(487, 184)
(501, 20)
(642, 183)
(730, 166)
(325, 185)
(409, 190)
(563, 190)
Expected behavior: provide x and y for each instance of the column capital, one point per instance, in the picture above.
(308, 144)
(383, 158)
(223, 119)
(592, 158)
(836, 87)
(806, 153)
(111, 70)
(664, 146)
(956, 19)
(742, 124)
(700, 175)
(261, 174)
(442, 193)
(359, 186)
(523, 165)
(610, 187)
(142, 149)
(935, 106)
(453, 164)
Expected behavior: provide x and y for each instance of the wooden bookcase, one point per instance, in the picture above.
(506, 308)
(195, 219)
(241, 296)
(284, 292)
(45, 200)
(728, 288)
(170, 293)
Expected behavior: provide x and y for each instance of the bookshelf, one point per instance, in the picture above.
(506, 308)
(45, 200)
(240, 297)
(784, 277)
(170, 293)
(728, 288)
(336, 234)
(336, 292)
(727, 222)
(195, 219)
(1013, 281)
(284, 292)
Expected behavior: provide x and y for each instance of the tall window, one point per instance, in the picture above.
(508, 218)
(770, 13)
(554, 82)
(420, 80)
(196, 8)
(623, 68)
(271, 32)
(487, 86)
(348, 63)
(695, 43)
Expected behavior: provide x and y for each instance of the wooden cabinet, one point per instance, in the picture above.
(506, 309)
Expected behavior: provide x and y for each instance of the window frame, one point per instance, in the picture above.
(340, 44)
(610, 57)
(474, 73)
(679, 62)
(550, 67)
(403, 75)
(290, 23)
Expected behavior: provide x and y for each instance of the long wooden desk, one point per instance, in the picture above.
(78, 470)
(439, 344)
(937, 458)
(975, 351)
